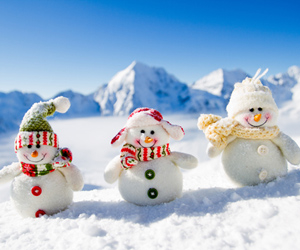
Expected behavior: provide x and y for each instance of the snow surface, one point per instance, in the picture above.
(212, 213)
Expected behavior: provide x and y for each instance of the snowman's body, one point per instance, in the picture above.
(244, 160)
(33, 195)
(147, 171)
(39, 195)
(152, 182)
(44, 179)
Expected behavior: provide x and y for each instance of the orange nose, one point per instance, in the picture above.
(34, 153)
(257, 117)
(148, 139)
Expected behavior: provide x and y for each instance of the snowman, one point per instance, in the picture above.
(147, 170)
(44, 178)
(254, 149)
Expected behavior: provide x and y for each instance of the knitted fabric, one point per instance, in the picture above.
(131, 155)
(217, 130)
(34, 119)
(62, 160)
(24, 139)
(250, 94)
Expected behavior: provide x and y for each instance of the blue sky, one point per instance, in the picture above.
(47, 46)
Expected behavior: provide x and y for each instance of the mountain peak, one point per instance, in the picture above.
(141, 85)
(220, 82)
(137, 66)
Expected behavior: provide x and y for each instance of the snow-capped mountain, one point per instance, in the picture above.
(290, 80)
(13, 106)
(220, 82)
(81, 105)
(140, 85)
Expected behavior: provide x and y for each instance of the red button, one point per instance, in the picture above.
(36, 191)
(39, 213)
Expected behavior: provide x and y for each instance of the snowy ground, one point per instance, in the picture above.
(212, 214)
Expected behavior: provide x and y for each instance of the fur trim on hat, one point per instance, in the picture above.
(175, 131)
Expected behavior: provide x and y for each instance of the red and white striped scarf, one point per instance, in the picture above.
(62, 159)
(130, 155)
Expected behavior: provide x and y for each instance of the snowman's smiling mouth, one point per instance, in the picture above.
(257, 125)
(139, 142)
(35, 161)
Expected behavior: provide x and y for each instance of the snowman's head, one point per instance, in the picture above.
(252, 104)
(36, 142)
(36, 154)
(257, 117)
(147, 136)
(146, 128)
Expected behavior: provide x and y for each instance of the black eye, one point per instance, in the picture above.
(29, 146)
(142, 131)
(152, 132)
(251, 110)
(38, 146)
(260, 109)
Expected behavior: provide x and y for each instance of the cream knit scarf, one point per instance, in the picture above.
(217, 130)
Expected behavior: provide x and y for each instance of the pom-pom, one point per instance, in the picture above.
(62, 104)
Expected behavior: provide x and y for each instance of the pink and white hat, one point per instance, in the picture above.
(147, 117)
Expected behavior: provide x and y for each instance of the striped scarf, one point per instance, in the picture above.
(62, 159)
(130, 155)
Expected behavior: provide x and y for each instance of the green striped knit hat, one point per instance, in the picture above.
(35, 129)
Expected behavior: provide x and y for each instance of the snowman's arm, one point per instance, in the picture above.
(183, 160)
(9, 172)
(73, 176)
(288, 147)
(213, 151)
(113, 170)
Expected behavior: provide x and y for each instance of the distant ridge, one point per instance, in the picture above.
(140, 85)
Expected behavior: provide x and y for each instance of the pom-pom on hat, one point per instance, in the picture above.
(35, 129)
(250, 94)
(147, 117)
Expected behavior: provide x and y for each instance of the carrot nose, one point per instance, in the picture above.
(148, 139)
(257, 117)
(34, 153)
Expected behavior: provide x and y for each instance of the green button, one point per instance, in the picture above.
(152, 193)
(149, 174)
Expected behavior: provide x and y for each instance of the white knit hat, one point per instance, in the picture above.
(147, 117)
(250, 94)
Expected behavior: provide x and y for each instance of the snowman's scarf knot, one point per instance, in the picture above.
(130, 155)
(217, 130)
(61, 160)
